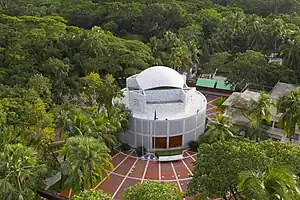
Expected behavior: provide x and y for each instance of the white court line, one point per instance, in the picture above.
(115, 155)
(111, 172)
(144, 174)
(210, 108)
(178, 183)
(159, 171)
(214, 113)
(140, 179)
(191, 173)
(211, 101)
(143, 159)
(191, 156)
(70, 193)
(120, 185)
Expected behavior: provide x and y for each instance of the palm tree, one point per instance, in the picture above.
(255, 32)
(290, 51)
(289, 106)
(276, 29)
(19, 172)
(258, 111)
(219, 130)
(276, 184)
(87, 160)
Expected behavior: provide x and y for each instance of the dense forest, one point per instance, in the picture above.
(83, 36)
(61, 62)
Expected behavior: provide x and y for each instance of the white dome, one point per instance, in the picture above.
(159, 76)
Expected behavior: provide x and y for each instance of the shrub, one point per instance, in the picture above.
(168, 152)
(193, 145)
(141, 151)
(92, 195)
(203, 138)
(152, 190)
(125, 147)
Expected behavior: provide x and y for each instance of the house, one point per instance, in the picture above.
(234, 110)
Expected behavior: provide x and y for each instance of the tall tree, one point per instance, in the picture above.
(289, 106)
(87, 160)
(258, 111)
(290, 50)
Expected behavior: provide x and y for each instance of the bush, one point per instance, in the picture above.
(125, 147)
(193, 145)
(203, 138)
(92, 195)
(141, 151)
(168, 152)
(152, 190)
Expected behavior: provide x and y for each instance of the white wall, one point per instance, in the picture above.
(165, 108)
(137, 101)
(132, 83)
(163, 95)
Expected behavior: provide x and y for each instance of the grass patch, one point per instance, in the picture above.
(169, 152)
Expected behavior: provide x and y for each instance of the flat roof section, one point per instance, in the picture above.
(205, 82)
(221, 84)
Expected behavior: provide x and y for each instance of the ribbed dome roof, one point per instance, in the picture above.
(159, 76)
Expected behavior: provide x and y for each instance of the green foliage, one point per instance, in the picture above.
(289, 106)
(19, 172)
(221, 129)
(174, 51)
(92, 195)
(193, 145)
(252, 67)
(140, 151)
(125, 147)
(218, 165)
(152, 190)
(99, 91)
(276, 183)
(219, 103)
(87, 160)
(258, 111)
(169, 152)
(59, 69)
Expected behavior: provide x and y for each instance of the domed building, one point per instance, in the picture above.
(166, 113)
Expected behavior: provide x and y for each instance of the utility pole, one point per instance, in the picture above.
(155, 118)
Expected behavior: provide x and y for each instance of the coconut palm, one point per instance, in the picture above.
(289, 106)
(255, 32)
(219, 129)
(19, 172)
(290, 51)
(258, 111)
(276, 30)
(276, 184)
(87, 160)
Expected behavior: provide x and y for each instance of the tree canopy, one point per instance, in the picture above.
(218, 165)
